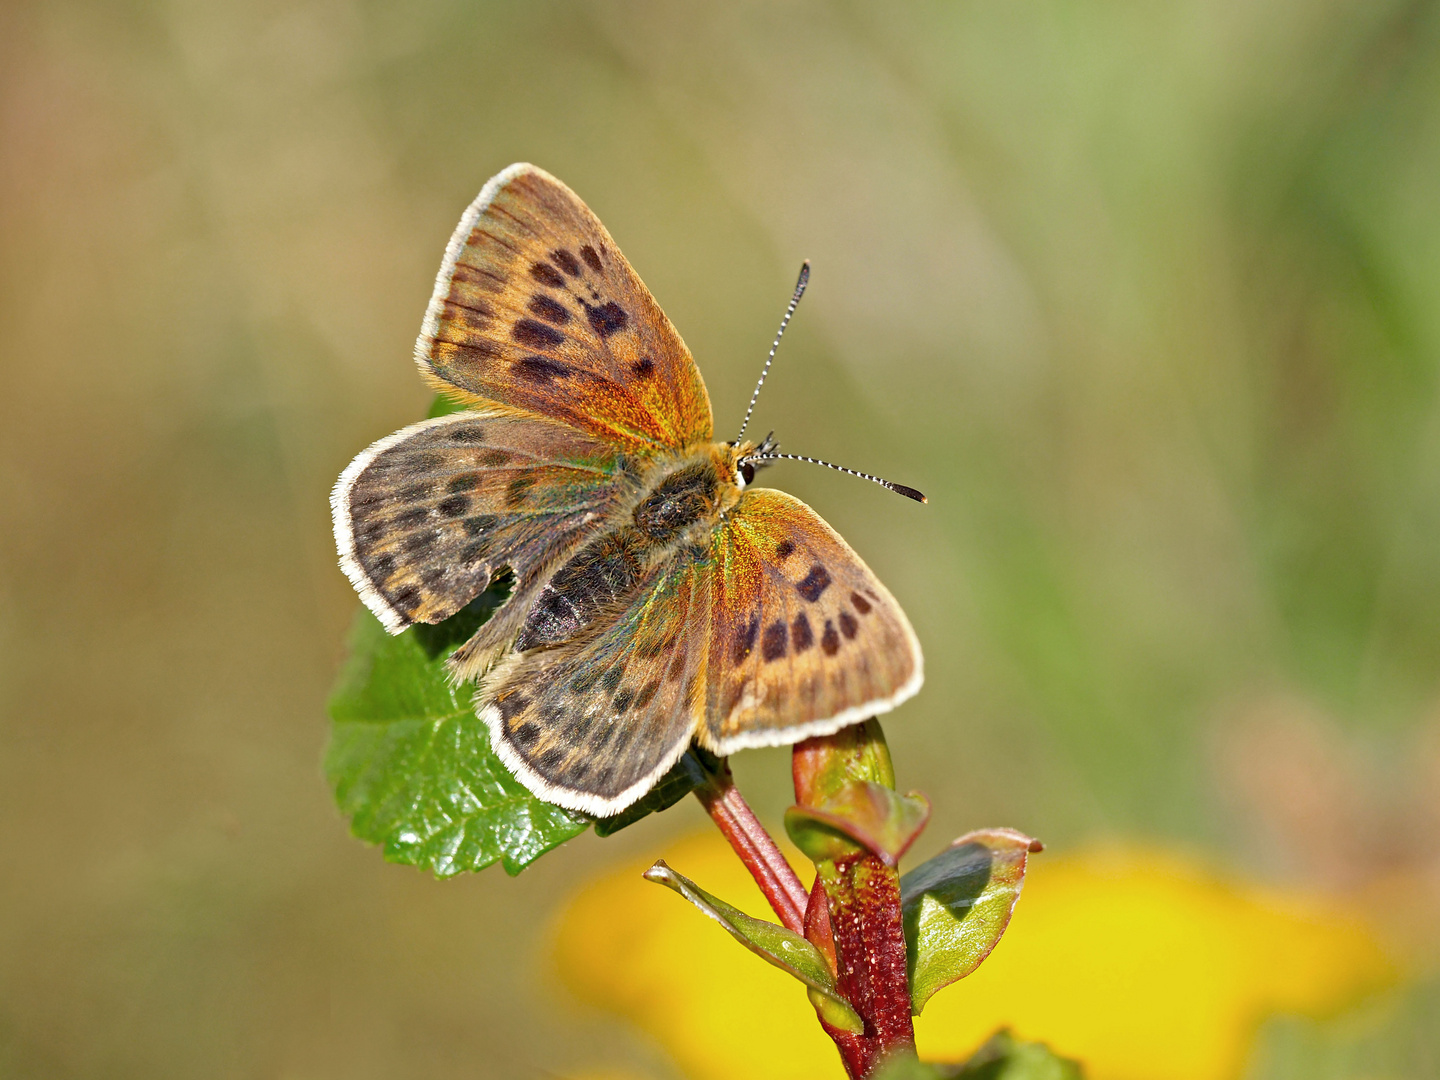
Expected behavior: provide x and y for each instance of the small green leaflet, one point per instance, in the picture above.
(411, 763)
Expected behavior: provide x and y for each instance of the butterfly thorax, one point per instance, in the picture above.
(678, 506)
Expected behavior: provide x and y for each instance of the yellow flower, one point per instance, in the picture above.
(1143, 965)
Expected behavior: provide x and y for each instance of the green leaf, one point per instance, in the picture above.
(411, 764)
(1001, 1058)
(859, 815)
(786, 950)
(697, 767)
(956, 906)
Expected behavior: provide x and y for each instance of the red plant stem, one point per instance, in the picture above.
(767, 865)
(870, 950)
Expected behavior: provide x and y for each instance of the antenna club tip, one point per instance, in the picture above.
(909, 493)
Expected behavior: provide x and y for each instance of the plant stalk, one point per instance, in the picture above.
(757, 850)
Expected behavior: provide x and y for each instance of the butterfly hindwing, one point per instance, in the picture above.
(535, 308)
(804, 639)
(592, 724)
(426, 517)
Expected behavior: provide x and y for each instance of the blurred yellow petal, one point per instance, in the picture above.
(1143, 965)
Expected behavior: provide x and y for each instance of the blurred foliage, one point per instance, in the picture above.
(1142, 296)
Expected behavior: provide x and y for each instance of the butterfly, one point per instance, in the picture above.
(657, 597)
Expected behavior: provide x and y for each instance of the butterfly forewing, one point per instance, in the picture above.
(426, 517)
(536, 309)
(803, 637)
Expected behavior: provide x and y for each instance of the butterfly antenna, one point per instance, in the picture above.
(899, 489)
(800, 284)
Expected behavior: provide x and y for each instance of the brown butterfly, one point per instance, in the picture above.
(657, 597)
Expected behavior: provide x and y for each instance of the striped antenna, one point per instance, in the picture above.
(794, 302)
(899, 489)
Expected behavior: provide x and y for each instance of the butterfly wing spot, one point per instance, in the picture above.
(610, 681)
(567, 261)
(860, 603)
(454, 506)
(419, 543)
(773, 644)
(783, 550)
(647, 694)
(546, 274)
(745, 640)
(814, 584)
(408, 519)
(848, 625)
(463, 482)
(536, 335)
(800, 633)
(606, 318)
(478, 524)
(548, 310)
(621, 701)
(592, 258)
(643, 368)
(830, 640)
(407, 599)
(525, 735)
(538, 369)
(415, 492)
(468, 434)
(382, 566)
(511, 705)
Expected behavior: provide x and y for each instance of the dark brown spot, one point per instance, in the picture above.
(861, 604)
(784, 549)
(419, 542)
(815, 583)
(433, 577)
(801, 634)
(830, 640)
(407, 599)
(494, 457)
(536, 335)
(643, 368)
(472, 433)
(474, 553)
(591, 257)
(463, 482)
(848, 625)
(745, 639)
(408, 519)
(546, 274)
(567, 261)
(480, 523)
(584, 682)
(525, 735)
(454, 506)
(602, 736)
(621, 701)
(607, 318)
(549, 310)
(647, 693)
(611, 680)
(540, 370)
(772, 645)
(382, 566)
(550, 758)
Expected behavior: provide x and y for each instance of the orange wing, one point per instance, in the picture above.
(804, 640)
(535, 309)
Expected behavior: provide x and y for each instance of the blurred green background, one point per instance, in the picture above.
(1146, 297)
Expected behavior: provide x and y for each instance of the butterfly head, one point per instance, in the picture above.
(745, 458)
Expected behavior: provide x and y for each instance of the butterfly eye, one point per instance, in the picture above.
(747, 472)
